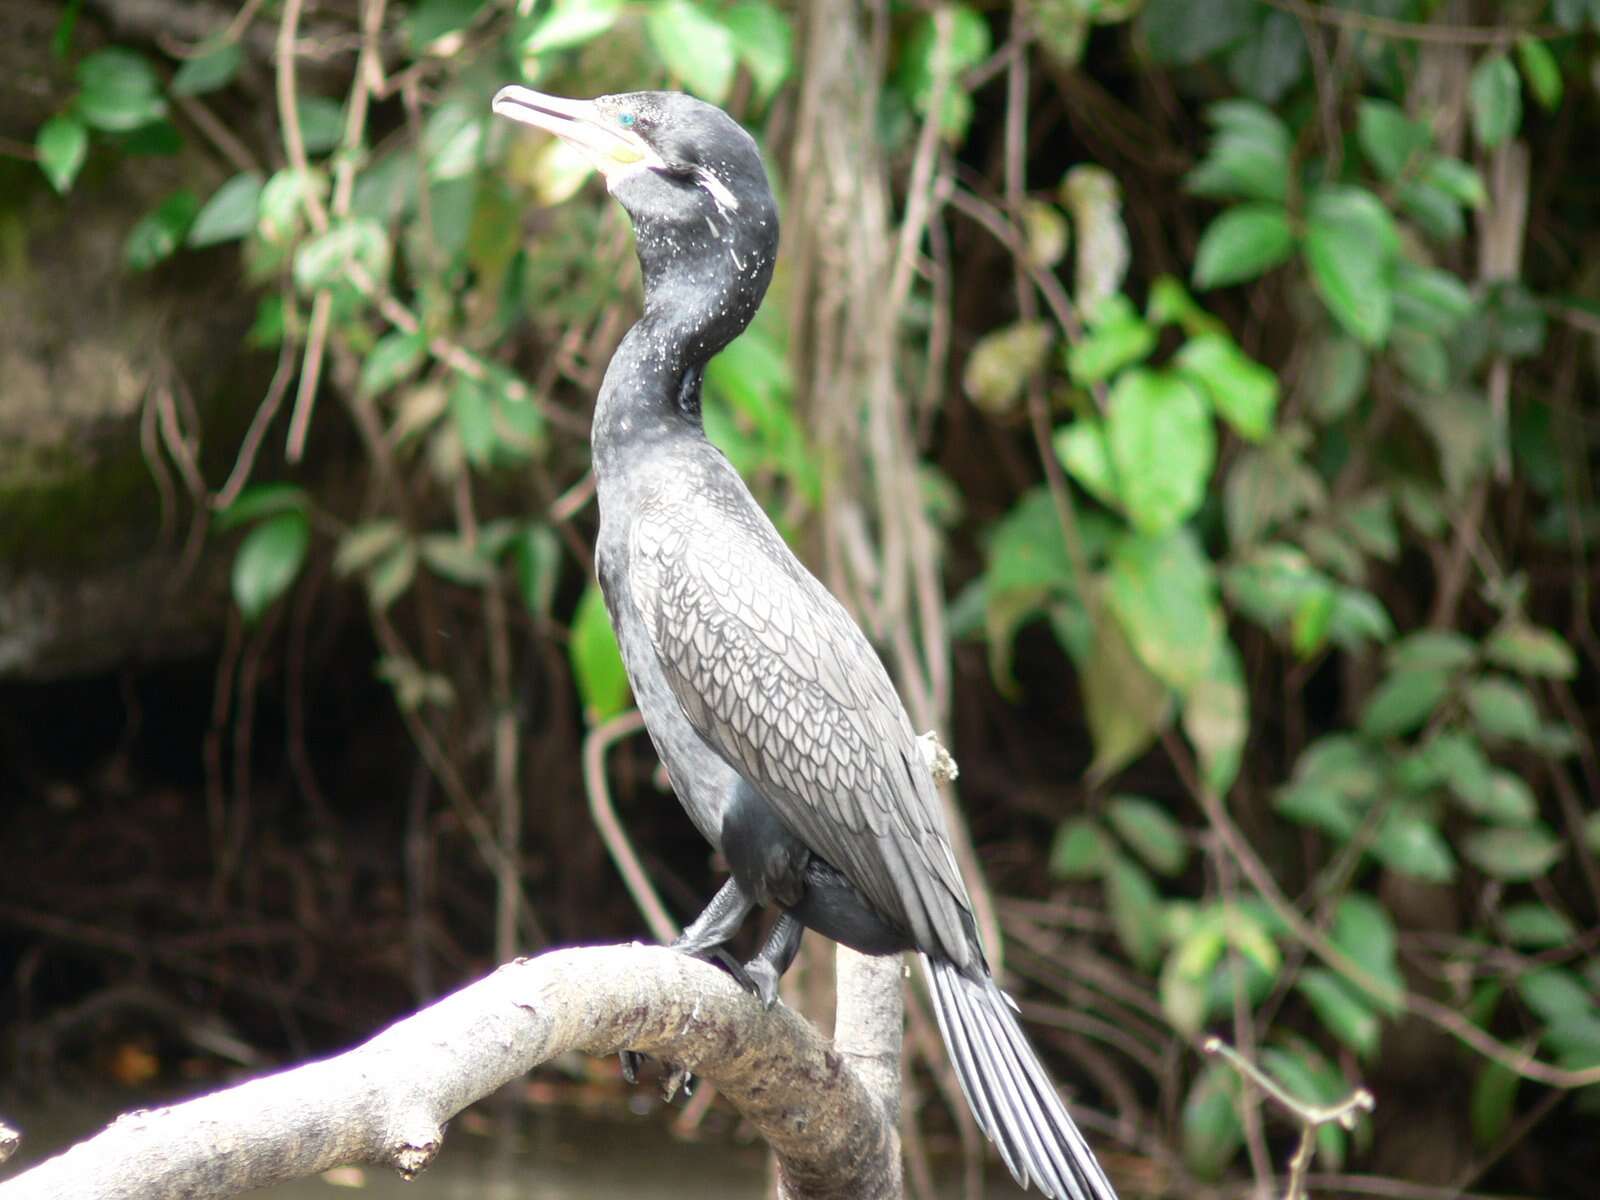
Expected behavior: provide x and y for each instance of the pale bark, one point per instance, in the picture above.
(387, 1100)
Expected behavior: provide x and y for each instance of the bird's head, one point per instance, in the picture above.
(689, 176)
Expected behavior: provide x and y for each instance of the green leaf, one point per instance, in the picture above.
(1151, 832)
(1403, 702)
(267, 562)
(596, 661)
(1169, 303)
(1080, 850)
(1363, 929)
(389, 577)
(472, 411)
(261, 500)
(1212, 1131)
(326, 259)
(1410, 842)
(1268, 63)
(1540, 70)
(1002, 362)
(451, 557)
(1163, 594)
(1185, 31)
(1431, 650)
(1513, 855)
(1434, 210)
(764, 42)
(209, 71)
(161, 231)
(321, 123)
(1341, 1009)
(1183, 994)
(1389, 138)
(570, 23)
(229, 214)
(430, 20)
(1350, 247)
(365, 544)
(1496, 100)
(1456, 179)
(1216, 719)
(1242, 243)
(969, 44)
(1249, 154)
(1503, 708)
(118, 90)
(1135, 911)
(1244, 393)
(1162, 446)
(1308, 1077)
(62, 144)
(1117, 337)
(1081, 447)
(1531, 650)
(1555, 993)
(696, 47)
(395, 356)
(537, 557)
(1535, 926)
(1124, 704)
(1494, 1098)
(1431, 300)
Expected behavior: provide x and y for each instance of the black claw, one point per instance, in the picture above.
(631, 1062)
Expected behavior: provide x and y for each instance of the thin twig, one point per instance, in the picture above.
(1310, 1116)
(1416, 31)
(601, 739)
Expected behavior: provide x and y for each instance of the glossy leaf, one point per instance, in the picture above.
(267, 562)
(764, 42)
(571, 23)
(1081, 447)
(1241, 244)
(62, 144)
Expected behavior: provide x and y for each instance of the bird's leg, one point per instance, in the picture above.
(775, 956)
(704, 938)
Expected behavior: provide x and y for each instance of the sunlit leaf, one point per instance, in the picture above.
(1216, 719)
(1162, 591)
(1117, 336)
(596, 661)
(1350, 248)
(696, 47)
(1162, 446)
(570, 23)
(1244, 393)
(764, 41)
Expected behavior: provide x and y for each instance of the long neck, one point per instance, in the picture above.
(695, 303)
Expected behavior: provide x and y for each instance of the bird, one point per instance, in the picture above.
(779, 728)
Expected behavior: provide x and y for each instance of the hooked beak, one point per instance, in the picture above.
(612, 149)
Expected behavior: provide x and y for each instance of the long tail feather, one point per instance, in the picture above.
(1007, 1089)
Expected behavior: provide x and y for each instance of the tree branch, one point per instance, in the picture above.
(387, 1100)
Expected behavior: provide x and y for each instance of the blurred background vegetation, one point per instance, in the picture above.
(1196, 399)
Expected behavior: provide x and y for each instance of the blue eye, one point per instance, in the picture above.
(625, 120)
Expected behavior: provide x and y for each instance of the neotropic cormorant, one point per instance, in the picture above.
(784, 739)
